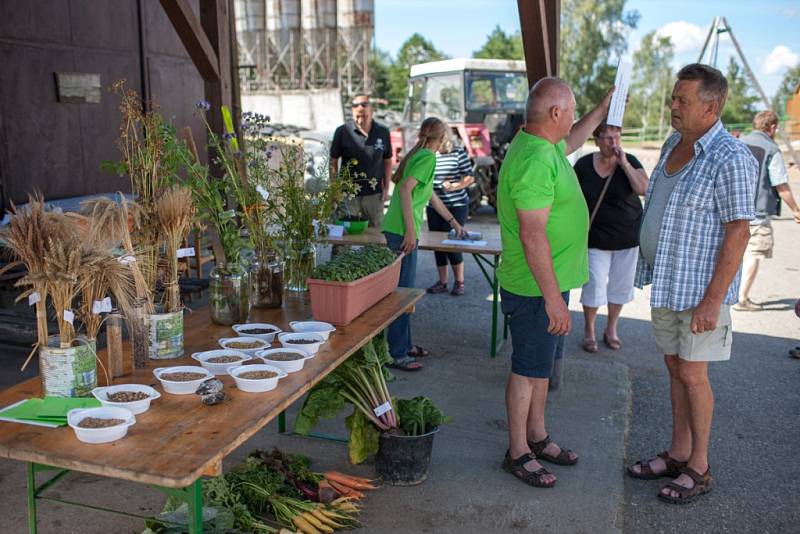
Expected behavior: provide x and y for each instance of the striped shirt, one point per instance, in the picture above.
(717, 188)
(452, 167)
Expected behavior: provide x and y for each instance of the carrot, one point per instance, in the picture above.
(319, 525)
(325, 519)
(304, 526)
(325, 491)
(354, 477)
(346, 490)
(351, 482)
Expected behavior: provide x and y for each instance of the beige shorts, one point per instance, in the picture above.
(761, 241)
(369, 206)
(674, 336)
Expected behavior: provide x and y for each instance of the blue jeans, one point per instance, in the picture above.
(398, 334)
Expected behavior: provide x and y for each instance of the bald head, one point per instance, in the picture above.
(543, 96)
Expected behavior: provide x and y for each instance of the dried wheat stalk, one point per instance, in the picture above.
(174, 212)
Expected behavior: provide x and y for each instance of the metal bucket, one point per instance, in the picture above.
(68, 372)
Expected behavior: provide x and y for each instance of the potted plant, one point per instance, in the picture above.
(160, 219)
(399, 432)
(69, 263)
(352, 282)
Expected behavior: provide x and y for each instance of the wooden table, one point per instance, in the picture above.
(485, 256)
(179, 440)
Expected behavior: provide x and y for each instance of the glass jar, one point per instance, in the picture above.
(300, 263)
(228, 295)
(266, 281)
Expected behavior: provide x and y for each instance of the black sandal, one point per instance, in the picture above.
(418, 352)
(532, 478)
(405, 364)
(563, 458)
(673, 469)
(702, 485)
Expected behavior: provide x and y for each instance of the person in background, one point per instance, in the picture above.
(773, 186)
(694, 231)
(413, 189)
(365, 146)
(451, 178)
(613, 233)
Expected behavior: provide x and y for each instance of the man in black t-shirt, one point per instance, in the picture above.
(364, 145)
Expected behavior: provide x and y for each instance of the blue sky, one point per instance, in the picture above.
(767, 30)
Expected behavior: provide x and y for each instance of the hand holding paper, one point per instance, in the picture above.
(617, 107)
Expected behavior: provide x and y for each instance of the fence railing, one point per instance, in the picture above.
(654, 134)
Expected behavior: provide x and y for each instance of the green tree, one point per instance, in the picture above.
(500, 45)
(787, 88)
(651, 84)
(380, 64)
(593, 38)
(416, 49)
(741, 104)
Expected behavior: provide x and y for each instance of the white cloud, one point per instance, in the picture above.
(685, 36)
(779, 58)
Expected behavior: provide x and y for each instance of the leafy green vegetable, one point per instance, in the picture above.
(419, 416)
(364, 437)
(355, 264)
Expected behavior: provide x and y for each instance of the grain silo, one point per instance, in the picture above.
(356, 23)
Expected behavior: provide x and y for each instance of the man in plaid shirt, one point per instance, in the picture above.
(694, 231)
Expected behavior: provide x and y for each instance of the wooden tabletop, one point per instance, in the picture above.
(179, 439)
(427, 241)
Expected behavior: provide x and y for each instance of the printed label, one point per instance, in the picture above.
(101, 306)
(383, 408)
(185, 252)
(33, 298)
(69, 316)
(125, 260)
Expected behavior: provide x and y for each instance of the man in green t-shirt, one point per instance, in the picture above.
(544, 226)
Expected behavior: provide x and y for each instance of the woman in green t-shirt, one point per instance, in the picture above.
(413, 189)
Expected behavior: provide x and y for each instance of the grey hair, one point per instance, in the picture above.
(713, 85)
(545, 94)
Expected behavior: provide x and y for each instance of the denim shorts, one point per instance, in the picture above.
(534, 350)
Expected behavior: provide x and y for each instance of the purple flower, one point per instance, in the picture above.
(202, 104)
(228, 136)
(237, 154)
(269, 154)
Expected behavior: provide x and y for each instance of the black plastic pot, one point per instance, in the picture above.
(404, 460)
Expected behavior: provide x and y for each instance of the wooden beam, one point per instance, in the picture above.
(197, 42)
(540, 25)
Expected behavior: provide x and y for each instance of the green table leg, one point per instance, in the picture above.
(195, 501)
(32, 527)
(495, 302)
(282, 423)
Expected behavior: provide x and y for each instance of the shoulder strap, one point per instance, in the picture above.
(600, 198)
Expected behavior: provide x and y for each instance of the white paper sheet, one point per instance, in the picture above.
(466, 242)
(617, 108)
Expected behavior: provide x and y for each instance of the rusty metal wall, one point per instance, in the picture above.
(57, 147)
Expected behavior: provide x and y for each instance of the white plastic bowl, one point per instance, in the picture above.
(289, 366)
(100, 435)
(220, 368)
(238, 328)
(182, 388)
(256, 386)
(135, 407)
(225, 341)
(311, 348)
(313, 327)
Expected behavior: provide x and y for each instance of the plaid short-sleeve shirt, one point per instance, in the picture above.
(718, 187)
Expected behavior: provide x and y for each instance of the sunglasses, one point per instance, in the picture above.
(360, 104)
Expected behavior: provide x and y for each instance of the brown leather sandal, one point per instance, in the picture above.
(532, 478)
(702, 484)
(673, 469)
(563, 458)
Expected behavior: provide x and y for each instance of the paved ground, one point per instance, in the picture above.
(612, 409)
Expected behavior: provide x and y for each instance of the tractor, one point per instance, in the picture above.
(483, 101)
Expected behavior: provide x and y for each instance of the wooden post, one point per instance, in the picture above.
(540, 25)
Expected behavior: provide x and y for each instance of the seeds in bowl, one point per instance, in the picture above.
(302, 341)
(127, 396)
(257, 375)
(258, 331)
(181, 376)
(224, 359)
(244, 344)
(283, 356)
(99, 422)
